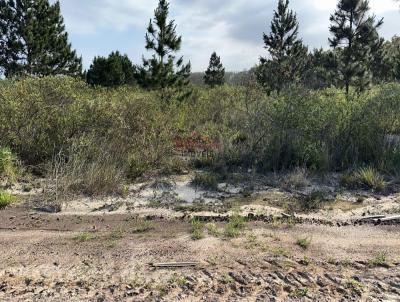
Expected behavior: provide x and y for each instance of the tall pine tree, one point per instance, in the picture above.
(215, 73)
(287, 54)
(356, 38)
(163, 70)
(33, 40)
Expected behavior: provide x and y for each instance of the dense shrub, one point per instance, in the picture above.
(108, 136)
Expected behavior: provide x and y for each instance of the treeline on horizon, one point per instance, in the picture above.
(34, 42)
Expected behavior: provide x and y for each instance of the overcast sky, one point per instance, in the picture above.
(233, 28)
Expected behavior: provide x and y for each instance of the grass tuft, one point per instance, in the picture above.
(197, 229)
(6, 199)
(380, 259)
(304, 243)
(207, 181)
(235, 226)
(365, 178)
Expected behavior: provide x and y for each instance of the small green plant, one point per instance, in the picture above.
(197, 229)
(208, 181)
(84, 237)
(354, 284)
(304, 243)
(300, 292)
(6, 199)
(306, 261)
(380, 259)
(235, 226)
(226, 279)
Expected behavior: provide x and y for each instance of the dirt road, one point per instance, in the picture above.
(48, 257)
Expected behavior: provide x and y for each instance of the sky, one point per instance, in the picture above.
(232, 28)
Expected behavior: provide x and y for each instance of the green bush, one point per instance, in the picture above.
(6, 199)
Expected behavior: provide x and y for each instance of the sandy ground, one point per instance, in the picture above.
(100, 249)
(59, 257)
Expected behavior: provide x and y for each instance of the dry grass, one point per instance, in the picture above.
(297, 179)
(365, 178)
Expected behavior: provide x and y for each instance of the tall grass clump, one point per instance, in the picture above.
(8, 166)
(6, 199)
(235, 226)
(365, 178)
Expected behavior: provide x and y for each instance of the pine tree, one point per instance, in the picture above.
(320, 72)
(33, 40)
(116, 70)
(215, 73)
(287, 54)
(392, 51)
(163, 70)
(354, 36)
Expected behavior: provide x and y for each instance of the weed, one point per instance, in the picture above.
(226, 279)
(182, 282)
(197, 229)
(306, 261)
(380, 259)
(208, 181)
(300, 292)
(6, 199)
(304, 243)
(354, 284)
(83, 237)
(365, 178)
(235, 226)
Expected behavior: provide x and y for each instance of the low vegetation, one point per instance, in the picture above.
(380, 259)
(365, 178)
(235, 226)
(94, 141)
(207, 181)
(6, 199)
(197, 229)
(304, 243)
